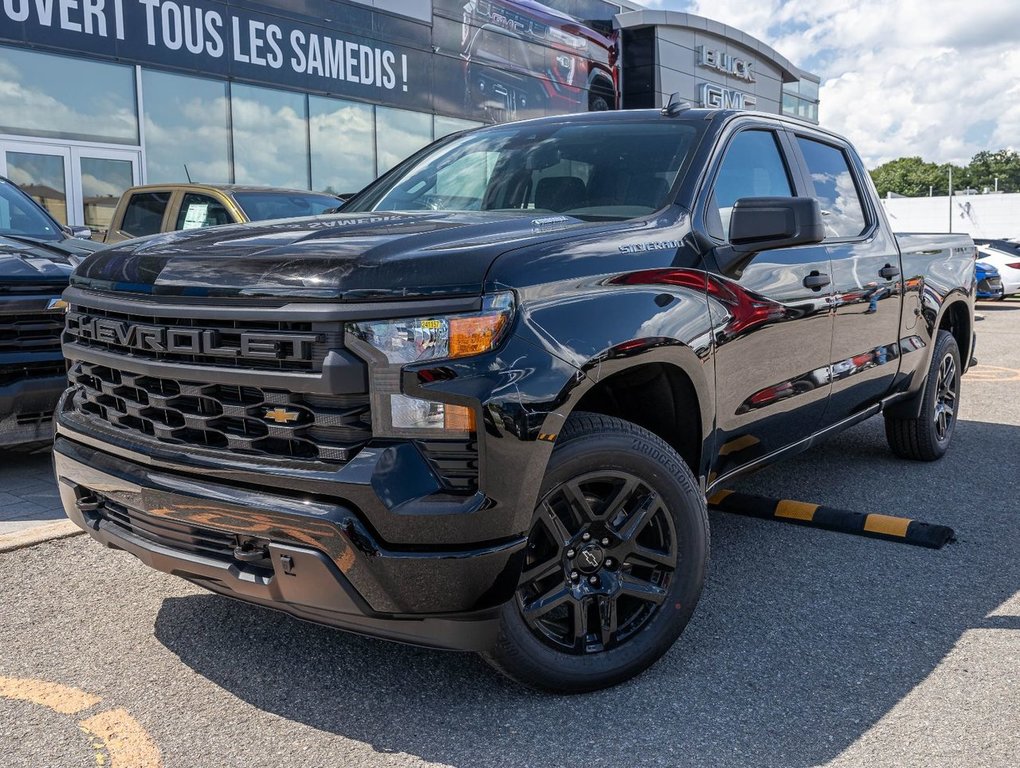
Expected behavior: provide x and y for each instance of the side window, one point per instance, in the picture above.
(144, 213)
(751, 167)
(201, 211)
(835, 189)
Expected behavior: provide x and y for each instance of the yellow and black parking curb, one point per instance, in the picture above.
(901, 529)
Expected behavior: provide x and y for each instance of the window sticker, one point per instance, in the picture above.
(197, 216)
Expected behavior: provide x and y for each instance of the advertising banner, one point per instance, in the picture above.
(228, 40)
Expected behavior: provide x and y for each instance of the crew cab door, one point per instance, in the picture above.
(771, 314)
(865, 276)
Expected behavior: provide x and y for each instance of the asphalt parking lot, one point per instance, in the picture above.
(808, 647)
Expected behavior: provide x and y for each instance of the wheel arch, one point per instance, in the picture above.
(664, 390)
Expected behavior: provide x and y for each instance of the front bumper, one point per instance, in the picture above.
(26, 409)
(318, 561)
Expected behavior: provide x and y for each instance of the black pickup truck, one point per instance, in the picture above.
(481, 407)
(36, 258)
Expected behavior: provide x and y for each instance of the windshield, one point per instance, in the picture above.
(596, 170)
(20, 216)
(261, 206)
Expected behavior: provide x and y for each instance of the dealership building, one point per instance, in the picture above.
(100, 95)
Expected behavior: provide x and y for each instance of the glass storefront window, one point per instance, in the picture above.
(270, 137)
(399, 133)
(444, 126)
(342, 144)
(63, 98)
(186, 123)
(103, 181)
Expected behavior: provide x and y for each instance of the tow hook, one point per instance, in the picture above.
(88, 503)
(250, 552)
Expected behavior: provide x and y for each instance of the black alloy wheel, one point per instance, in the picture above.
(601, 554)
(927, 437)
(615, 561)
(946, 389)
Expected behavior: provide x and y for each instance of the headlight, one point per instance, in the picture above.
(422, 339)
(565, 38)
(437, 338)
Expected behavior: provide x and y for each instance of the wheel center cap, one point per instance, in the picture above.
(589, 558)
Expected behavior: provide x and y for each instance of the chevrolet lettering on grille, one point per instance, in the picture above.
(191, 341)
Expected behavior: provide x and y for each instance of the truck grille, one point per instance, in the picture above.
(292, 346)
(31, 332)
(10, 374)
(242, 419)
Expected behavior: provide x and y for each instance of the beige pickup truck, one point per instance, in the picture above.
(156, 208)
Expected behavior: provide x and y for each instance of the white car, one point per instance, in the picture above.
(1004, 255)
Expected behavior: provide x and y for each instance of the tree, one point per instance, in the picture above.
(911, 177)
(1004, 165)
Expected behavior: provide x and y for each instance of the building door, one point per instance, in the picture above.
(78, 184)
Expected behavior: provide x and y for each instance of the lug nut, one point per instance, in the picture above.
(593, 579)
(573, 575)
(586, 536)
(570, 553)
(605, 542)
(609, 562)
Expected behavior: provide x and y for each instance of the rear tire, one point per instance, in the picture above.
(618, 552)
(927, 438)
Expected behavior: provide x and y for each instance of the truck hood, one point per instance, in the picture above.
(354, 257)
(22, 261)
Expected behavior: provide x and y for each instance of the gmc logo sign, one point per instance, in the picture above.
(191, 341)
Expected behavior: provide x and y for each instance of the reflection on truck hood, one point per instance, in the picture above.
(44, 262)
(357, 257)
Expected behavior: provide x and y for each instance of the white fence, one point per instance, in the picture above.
(977, 215)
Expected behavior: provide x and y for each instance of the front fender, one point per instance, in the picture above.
(605, 331)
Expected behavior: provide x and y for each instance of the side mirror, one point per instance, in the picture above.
(764, 223)
(82, 233)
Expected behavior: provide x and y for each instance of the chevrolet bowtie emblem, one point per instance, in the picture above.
(281, 415)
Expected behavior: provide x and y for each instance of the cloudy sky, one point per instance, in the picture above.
(935, 78)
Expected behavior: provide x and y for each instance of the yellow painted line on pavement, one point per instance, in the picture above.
(126, 742)
(992, 373)
(113, 733)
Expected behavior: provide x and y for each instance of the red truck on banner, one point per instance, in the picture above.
(523, 57)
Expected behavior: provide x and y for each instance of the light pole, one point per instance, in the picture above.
(950, 199)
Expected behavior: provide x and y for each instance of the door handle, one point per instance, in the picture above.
(889, 272)
(816, 280)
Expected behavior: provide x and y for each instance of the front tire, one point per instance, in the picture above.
(927, 438)
(616, 560)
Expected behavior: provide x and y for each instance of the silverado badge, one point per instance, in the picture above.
(281, 415)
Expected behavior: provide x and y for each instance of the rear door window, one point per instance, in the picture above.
(199, 211)
(144, 213)
(835, 189)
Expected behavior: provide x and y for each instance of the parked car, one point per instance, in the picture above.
(481, 407)
(989, 284)
(36, 258)
(155, 208)
(1004, 256)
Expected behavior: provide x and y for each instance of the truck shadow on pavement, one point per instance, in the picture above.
(803, 640)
